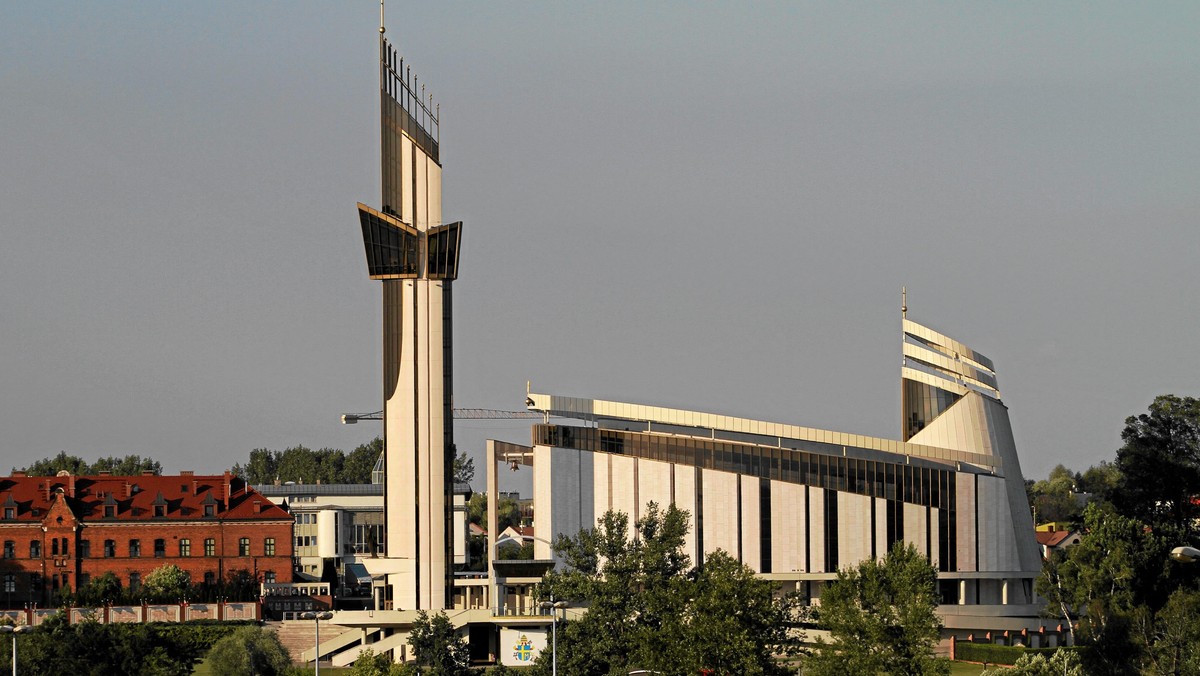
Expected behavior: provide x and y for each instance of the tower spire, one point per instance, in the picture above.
(903, 301)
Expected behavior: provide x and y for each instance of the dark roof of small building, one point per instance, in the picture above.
(135, 498)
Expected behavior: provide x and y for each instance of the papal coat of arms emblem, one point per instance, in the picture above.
(523, 650)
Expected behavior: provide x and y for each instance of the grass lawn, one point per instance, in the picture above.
(965, 669)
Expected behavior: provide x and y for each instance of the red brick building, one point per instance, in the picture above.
(58, 532)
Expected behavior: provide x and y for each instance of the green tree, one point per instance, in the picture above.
(464, 468)
(437, 646)
(734, 623)
(648, 608)
(330, 462)
(1173, 638)
(508, 511)
(624, 582)
(52, 466)
(371, 663)
(101, 588)
(360, 462)
(522, 553)
(261, 469)
(1053, 499)
(1118, 567)
(1100, 481)
(247, 651)
(881, 617)
(166, 583)
(298, 464)
(1159, 465)
(130, 465)
(1060, 663)
(92, 649)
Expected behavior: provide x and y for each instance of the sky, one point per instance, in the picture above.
(708, 206)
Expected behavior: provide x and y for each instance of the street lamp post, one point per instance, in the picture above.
(553, 608)
(316, 617)
(1185, 554)
(20, 629)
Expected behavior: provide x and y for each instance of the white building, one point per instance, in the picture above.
(796, 504)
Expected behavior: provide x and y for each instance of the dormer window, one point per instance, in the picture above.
(110, 511)
(210, 505)
(10, 513)
(160, 505)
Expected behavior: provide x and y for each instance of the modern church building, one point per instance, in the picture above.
(794, 503)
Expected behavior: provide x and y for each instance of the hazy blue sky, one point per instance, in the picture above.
(704, 206)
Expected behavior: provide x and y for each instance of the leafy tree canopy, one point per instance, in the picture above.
(1060, 663)
(464, 468)
(1159, 465)
(881, 617)
(1053, 498)
(1118, 567)
(130, 465)
(93, 649)
(167, 583)
(302, 464)
(371, 663)
(508, 512)
(249, 651)
(438, 648)
(648, 608)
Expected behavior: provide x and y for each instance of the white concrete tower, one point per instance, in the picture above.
(416, 257)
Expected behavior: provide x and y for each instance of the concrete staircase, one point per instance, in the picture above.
(297, 636)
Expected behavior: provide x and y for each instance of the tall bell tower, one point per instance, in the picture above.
(415, 255)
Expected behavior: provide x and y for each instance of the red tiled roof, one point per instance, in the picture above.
(135, 498)
(1051, 538)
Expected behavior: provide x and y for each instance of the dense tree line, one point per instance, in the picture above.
(304, 465)
(329, 465)
(93, 649)
(1135, 608)
(130, 465)
(264, 466)
(165, 584)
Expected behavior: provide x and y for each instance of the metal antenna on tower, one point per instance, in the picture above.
(381, 28)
